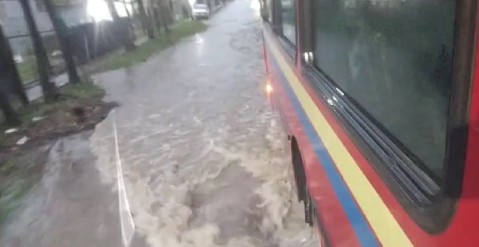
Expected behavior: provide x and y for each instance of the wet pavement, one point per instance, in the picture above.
(193, 157)
(70, 206)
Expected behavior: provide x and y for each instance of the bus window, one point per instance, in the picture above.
(394, 59)
(267, 10)
(288, 20)
(269, 6)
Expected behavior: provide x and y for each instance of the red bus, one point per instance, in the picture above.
(380, 100)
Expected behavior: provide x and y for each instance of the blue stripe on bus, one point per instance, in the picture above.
(362, 229)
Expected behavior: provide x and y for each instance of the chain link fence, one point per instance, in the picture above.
(88, 40)
(24, 55)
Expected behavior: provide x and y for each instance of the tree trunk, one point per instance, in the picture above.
(160, 16)
(164, 9)
(112, 9)
(119, 28)
(50, 93)
(62, 32)
(11, 116)
(9, 68)
(169, 12)
(130, 20)
(146, 22)
(164, 13)
(156, 17)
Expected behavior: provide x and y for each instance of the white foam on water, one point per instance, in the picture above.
(161, 198)
(283, 215)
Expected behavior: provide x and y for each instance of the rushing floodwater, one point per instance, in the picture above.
(204, 161)
(193, 157)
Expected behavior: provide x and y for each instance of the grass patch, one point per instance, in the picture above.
(71, 95)
(82, 91)
(15, 182)
(80, 107)
(28, 70)
(150, 47)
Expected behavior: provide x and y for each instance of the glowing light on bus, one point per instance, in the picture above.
(269, 88)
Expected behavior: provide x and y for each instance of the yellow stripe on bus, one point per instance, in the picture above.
(387, 229)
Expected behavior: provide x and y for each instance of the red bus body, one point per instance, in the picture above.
(354, 205)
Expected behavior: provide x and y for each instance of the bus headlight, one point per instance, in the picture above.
(269, 88)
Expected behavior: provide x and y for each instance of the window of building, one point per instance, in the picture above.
(394, 59)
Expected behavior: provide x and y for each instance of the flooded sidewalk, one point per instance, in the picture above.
(69, 206)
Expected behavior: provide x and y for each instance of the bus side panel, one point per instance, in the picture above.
(336, 224)
(463, 228)
(338, 227)
(328, 206)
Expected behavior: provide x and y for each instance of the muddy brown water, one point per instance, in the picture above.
(203, 161)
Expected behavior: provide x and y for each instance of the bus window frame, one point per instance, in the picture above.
(288, 46)
(275, 23)
(430, 204)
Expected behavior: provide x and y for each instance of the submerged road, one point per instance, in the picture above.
(193, 157)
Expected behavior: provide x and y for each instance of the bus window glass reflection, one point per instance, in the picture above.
(288, 20)
(394, 58)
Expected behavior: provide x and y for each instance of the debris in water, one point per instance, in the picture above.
(22, 140)
(9, 131)
(36, 119)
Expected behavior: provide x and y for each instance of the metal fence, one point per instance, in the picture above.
(24, 55)
(87, 40)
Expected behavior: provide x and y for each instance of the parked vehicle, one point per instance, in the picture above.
(200, 11)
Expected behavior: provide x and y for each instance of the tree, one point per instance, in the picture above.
(165, 15)
(62, 32)
(49, 89)
(130, 22)
(146, 22)
(11, 116)
(9, 73)
(119, 28)
(9, 69)
(156, 17)
(112, 9)
(161, 13)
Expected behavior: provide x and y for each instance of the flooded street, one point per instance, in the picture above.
(204, 161)
(193, 157)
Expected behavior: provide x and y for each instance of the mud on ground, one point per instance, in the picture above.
(79, 108)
